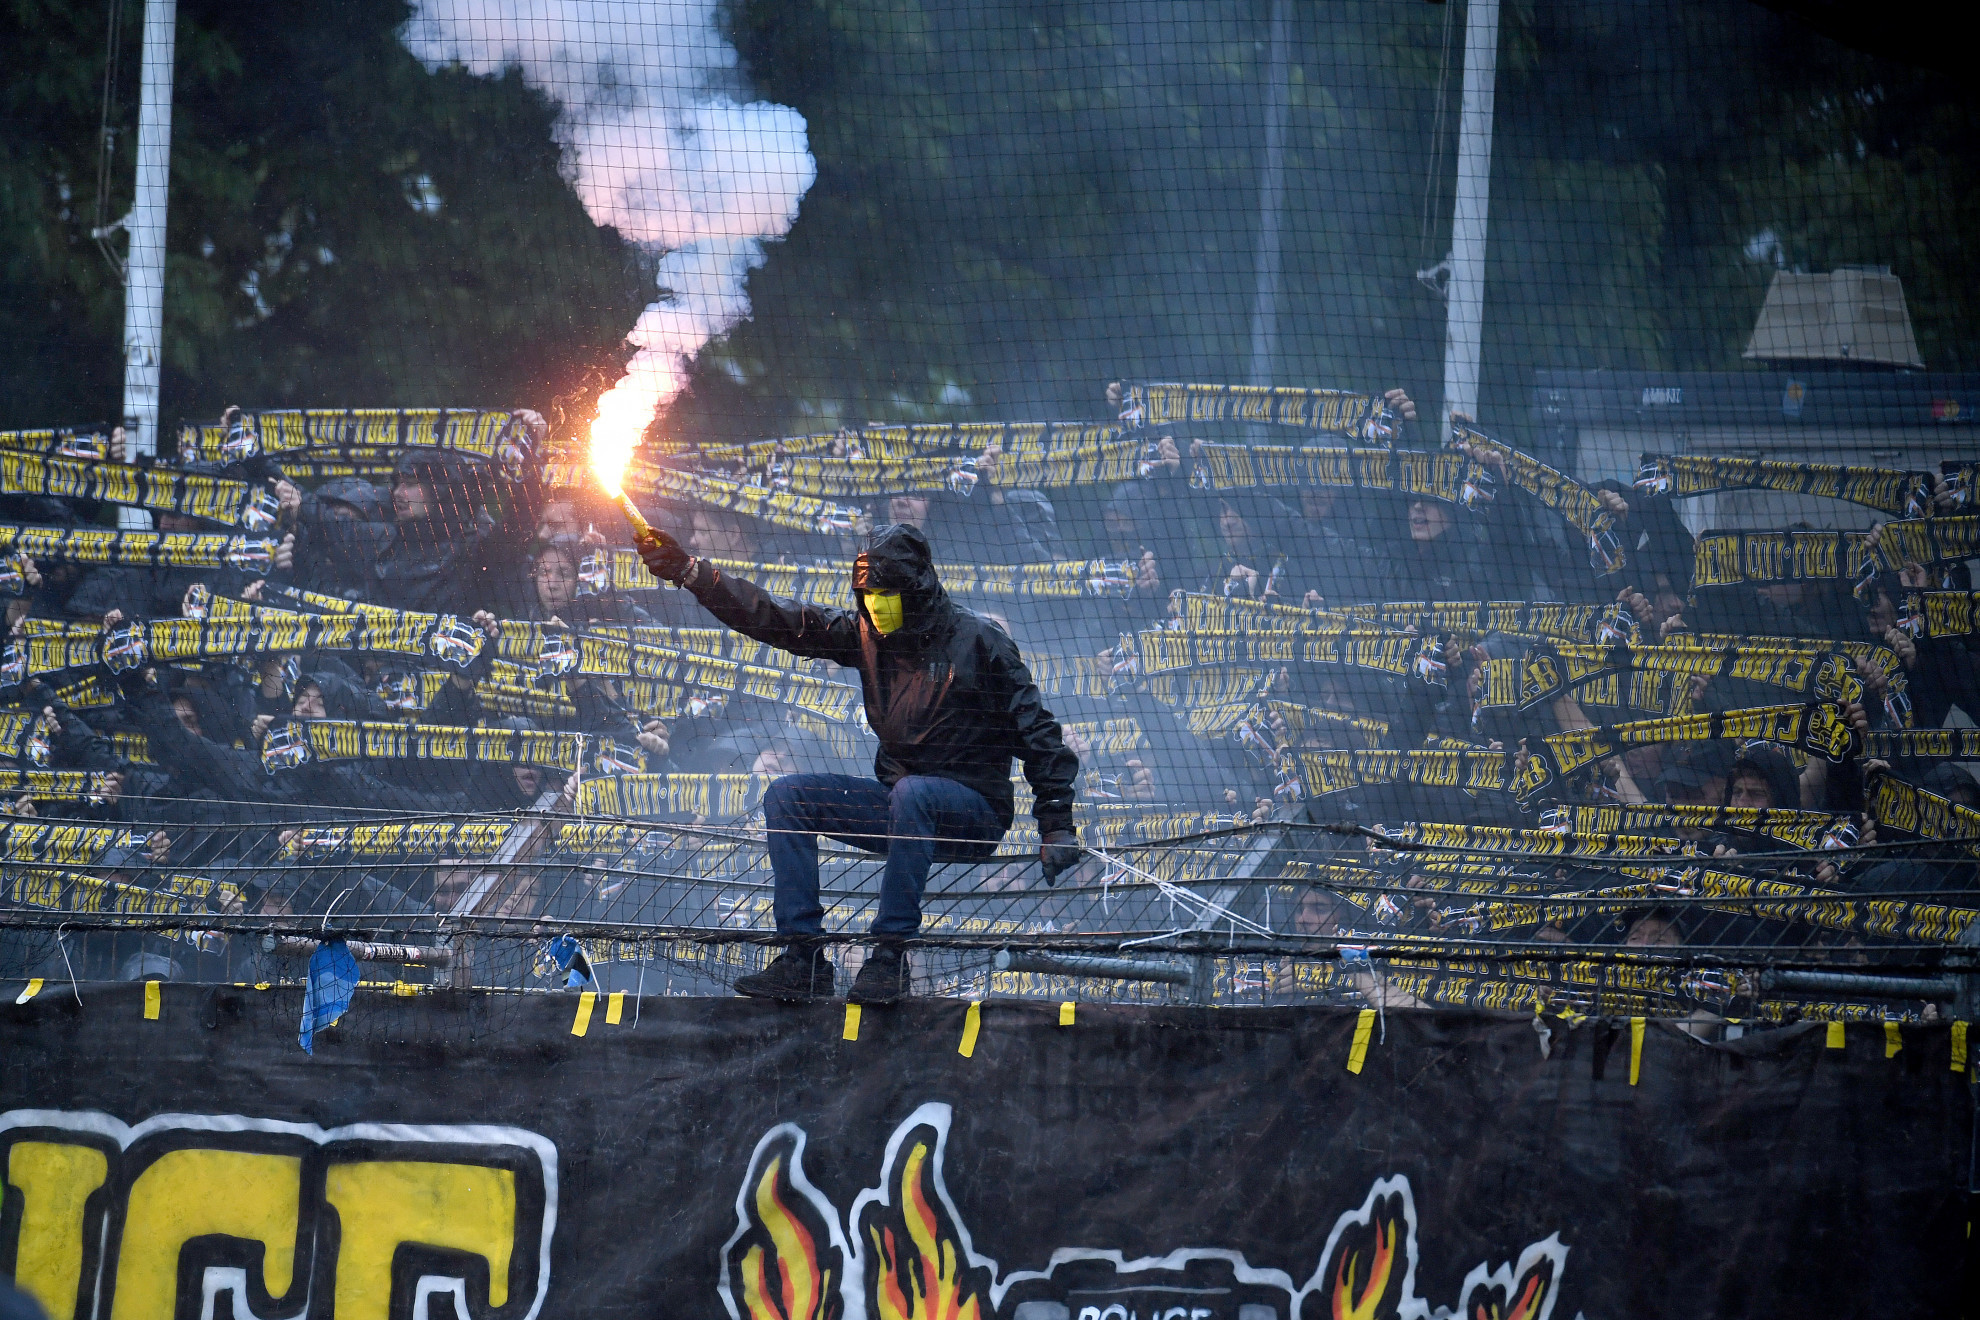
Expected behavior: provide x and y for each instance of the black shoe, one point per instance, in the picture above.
(794, 976)
(883, 980)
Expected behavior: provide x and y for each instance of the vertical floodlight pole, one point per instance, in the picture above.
(1271, 199)
(1466, 305)
(144, 293)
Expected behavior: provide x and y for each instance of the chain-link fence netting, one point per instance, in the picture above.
(1242, 504)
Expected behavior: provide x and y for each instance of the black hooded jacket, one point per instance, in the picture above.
(947, 692)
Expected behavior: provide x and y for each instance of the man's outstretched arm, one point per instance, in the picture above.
(801, 629)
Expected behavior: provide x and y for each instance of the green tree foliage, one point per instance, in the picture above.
(345, 227)
(1018, 199)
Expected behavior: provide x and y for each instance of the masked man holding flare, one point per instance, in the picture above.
(952, 702)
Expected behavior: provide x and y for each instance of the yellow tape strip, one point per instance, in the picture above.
(1959, 1047)
(972, 1024)
(1065, 1012)
(1893, 1042)
(33, 988)
(582, 1023)
(1835, 1036)
(152, 995)
(615, 1007)
(851, 1030)
(1636, 1025)
(1364, 1031)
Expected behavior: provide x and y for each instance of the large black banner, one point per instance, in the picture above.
(171, 1154)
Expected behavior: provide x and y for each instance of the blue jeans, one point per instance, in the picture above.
(923, 819)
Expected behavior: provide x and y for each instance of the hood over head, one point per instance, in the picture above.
(455, 491)
(1783, 783)
(344, 699)
(371, 503)
(899, 558)
(1952, 781)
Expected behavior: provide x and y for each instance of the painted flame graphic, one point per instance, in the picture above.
(1523, 1307)
(1365, 1274)
(906, 1254)
(783, 1263)
(918, 1257)
(1523, 1294)
(1360, 1281)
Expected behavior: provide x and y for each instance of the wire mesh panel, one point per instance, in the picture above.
(1233, 504)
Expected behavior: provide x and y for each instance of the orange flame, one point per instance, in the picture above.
(788, 1281)
(1361, 1286)
(1528, 1296)
(614, 435)
(920, 1278)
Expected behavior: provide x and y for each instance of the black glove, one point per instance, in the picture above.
(1057, 851)
(664, 557)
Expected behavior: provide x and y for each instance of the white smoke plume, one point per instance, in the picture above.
(664, 152)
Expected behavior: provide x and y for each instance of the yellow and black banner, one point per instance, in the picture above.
(160, 489)
(716, 797)
(1467, 620)
(1816, 727)
(327, 442)
(93, 545)
(1474, 770)
(537, 654)
(939, 442)
(1397, 655)
(1441, 835)
(831, 584)
(780, 508)
(1770, 899)
(1896, 805)
(1553, 669)
(1731, 558)
(297, 743)
(1788, 825)
(1898, 493)
(1925, 541)
(782, 679)
(170, 894)
(1429, 474)
(1574, 502)
(86, 787)
(1150, 403)
(1066, 466)
(89, 443)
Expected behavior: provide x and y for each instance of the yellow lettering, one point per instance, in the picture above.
(380, 1205)
(55, 1182)
(187, 1194)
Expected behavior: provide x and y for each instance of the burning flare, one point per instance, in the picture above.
(614, 436)
(613, 440)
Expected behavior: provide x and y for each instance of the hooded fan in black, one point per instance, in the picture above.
(952, 702)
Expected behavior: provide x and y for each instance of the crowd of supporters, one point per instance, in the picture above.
(451, 534)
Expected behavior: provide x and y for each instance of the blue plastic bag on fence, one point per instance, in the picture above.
(333, 978)
(569, 956)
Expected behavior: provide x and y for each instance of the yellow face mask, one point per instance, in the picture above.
(884, 608)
